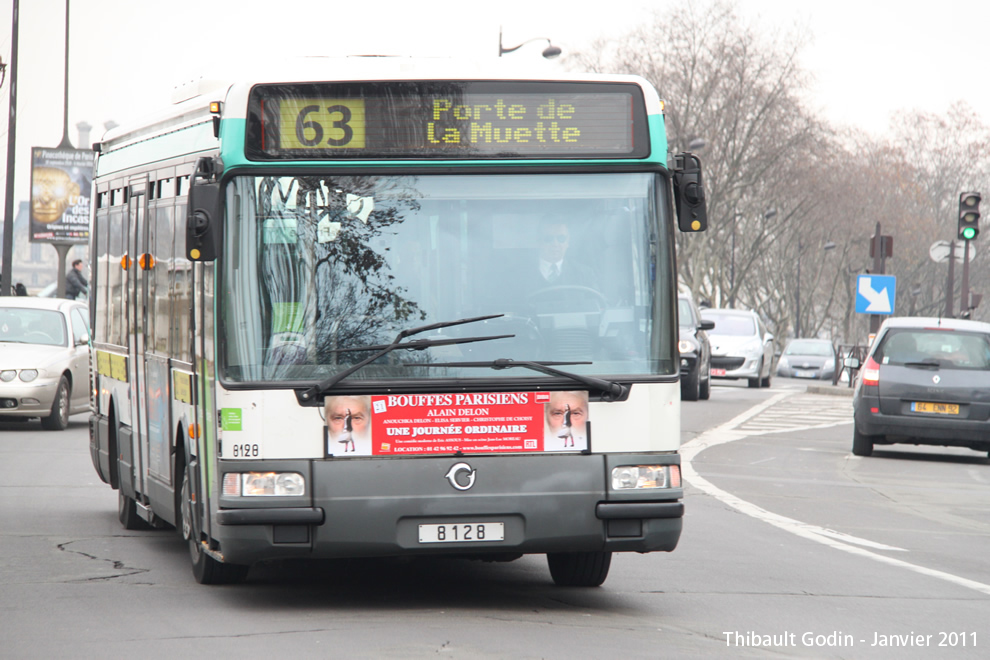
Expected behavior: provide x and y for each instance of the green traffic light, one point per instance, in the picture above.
(969, 233)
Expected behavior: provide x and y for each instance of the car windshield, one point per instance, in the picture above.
(32, 326)
(813, 348)
(948, 349)
(731, 324)
(684, 314)
(322, 270)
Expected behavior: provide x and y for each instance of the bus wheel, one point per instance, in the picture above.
(206, 569)
(127, 513)
(58, 420)
(579, 569)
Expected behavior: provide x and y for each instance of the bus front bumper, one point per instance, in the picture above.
(380, 507)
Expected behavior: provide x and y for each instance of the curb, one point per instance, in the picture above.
(833, 390)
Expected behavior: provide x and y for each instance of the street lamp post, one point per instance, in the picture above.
(549, 52)
(6, 257)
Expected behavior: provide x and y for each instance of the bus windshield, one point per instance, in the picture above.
(317, 267)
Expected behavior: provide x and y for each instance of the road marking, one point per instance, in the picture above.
(730, 432)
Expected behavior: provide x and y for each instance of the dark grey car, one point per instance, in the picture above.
(695, 350)
(925, 381)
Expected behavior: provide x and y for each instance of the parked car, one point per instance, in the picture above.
(741, 346)
(44, 360)
(807, 358)
(925, 381)
(695, 350)
(51, 289)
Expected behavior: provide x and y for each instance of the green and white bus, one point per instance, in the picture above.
(384, 307)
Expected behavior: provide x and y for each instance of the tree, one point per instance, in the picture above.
(740, 93)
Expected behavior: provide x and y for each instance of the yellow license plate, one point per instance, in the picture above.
(936, 408)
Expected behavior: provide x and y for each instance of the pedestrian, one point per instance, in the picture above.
(75, 282)
(20, 289)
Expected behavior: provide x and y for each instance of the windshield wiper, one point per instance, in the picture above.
(609, 390)
(927, 363)
(415, 345)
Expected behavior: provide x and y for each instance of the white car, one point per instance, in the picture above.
(741, 346)
(44, 360)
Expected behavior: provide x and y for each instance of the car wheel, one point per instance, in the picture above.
(755, 382)
(579, 569)
(862, 444)
(705, 388)
(690, 387)
(765, 382)
(58, 420)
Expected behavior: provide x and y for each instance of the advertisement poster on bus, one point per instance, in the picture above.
(475, 423)
(61, 187)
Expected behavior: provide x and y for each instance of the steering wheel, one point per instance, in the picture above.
(562, 290)
(45, 337)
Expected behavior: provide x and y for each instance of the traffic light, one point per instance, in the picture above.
(969, 215)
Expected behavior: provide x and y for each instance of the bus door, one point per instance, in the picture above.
(153, 275)
(137, 316)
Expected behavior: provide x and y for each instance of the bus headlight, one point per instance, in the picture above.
(264, 484)
(628, 477)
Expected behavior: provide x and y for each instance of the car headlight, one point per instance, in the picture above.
(8, 375)
(27, 375)
(687, 346)
(264, 484)
(782, 363)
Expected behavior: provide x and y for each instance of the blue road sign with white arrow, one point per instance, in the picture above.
(875, 294)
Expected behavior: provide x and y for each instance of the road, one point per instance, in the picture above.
(792, 548)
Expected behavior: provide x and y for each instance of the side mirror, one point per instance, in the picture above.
(851, 363)
(83, 341)
(689, 194)
(707, 325)
(203, 220)
(767, 338)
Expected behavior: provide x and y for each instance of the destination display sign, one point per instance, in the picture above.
(447, 120)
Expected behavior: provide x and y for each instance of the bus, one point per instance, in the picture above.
(385, 307)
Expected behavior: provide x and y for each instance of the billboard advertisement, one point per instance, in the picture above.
(61, 190)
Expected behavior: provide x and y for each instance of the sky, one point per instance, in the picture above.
(868, 58)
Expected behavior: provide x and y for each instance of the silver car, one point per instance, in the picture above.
(807, 358)
(741, 346)
(44, 360)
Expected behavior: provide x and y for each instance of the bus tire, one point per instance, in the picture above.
(127, 513)
(205, 568)
(579, 569)
(58, 420)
